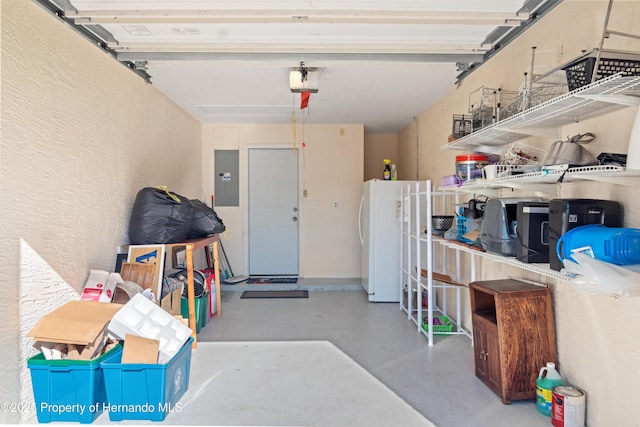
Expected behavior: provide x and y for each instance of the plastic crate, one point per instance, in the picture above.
(580, 72)
(462, 229)
(140, 391)
(445, 326)
(74, 385)
(201, 307)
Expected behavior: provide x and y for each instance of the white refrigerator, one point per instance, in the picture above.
(379, 226)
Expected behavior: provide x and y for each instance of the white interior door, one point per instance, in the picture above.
(273, 211)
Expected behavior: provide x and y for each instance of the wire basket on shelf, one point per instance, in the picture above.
(462, 125)
(544, 93)
(486, 105)
(520, 158)
(530, 97)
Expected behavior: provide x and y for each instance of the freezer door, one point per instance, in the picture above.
(365, 227)
(381, 250)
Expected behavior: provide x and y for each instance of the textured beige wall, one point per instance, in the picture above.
(331, 169)
(81, 134)
(377, 147)
(598, 336)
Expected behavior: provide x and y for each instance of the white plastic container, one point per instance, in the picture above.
(144, 318)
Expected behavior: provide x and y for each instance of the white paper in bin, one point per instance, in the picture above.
(142, 317)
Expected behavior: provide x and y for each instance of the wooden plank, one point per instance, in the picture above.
(191, 293)
(441, 278)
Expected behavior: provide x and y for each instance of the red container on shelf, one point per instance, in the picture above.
(469, 166)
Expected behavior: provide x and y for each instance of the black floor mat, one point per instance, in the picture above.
(275, 294)
(268, 280)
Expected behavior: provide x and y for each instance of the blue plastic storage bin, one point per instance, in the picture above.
(69, 390)
(140, 391)
(616, 245)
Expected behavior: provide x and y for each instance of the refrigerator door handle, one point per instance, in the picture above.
(360, 221)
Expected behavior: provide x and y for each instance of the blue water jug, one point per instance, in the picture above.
(616, 245)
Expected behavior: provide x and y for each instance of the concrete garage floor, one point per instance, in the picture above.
(439, 381)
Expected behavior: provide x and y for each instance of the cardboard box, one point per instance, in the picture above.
(140, 350)
(79, 324)
(100, 286)
(171, 303)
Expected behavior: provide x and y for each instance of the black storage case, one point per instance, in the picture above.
(567, 214)
(533, 232)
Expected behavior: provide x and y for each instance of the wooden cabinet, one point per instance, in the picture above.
(485, 338)
(514, 335)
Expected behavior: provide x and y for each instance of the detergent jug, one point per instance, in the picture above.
(547, 380)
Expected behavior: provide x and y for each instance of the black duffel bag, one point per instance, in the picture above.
(159, 216)
(205, 221)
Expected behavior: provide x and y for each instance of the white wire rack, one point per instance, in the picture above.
(595, 99)
(546, 180)
(417, 256)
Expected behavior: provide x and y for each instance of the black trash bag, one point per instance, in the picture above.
(205, 221)
(159, 216)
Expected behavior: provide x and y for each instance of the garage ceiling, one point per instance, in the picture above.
(378, 62)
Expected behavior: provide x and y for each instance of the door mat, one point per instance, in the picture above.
(275, 294)
(268, 280)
